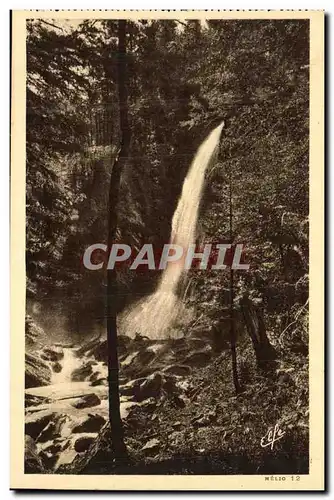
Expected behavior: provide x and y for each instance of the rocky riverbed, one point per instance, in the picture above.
(66, 395)
(178, 404)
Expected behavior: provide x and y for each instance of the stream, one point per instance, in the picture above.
(75, 411)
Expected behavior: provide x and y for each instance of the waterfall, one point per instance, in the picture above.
(68, 364)
(153, 316)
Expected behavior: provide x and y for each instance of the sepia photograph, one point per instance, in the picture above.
(165, 198)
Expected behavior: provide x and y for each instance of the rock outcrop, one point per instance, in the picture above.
(37, 372)
(82, 373)
(52, 353)
(33, 463)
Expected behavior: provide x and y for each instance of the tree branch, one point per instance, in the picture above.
(51, 24)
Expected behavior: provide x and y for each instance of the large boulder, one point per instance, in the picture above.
(53, 448)
(56, 367)
(32, 461)
(82, 373)
(92, 423)
(100, 352)
(151, 387)
(138, 363)
(36, 422)
(98, 453)
(99, 381)
(49, 433)
(87, 401)
(53, 428)
(131, 388)
(37, 372)
(83, 443)
(52, 353)
(95, 376)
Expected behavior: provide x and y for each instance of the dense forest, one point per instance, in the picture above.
(182, 80)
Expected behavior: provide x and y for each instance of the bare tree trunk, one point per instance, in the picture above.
(254, 321)
(233, 336)
(117, 434)
(232, 316)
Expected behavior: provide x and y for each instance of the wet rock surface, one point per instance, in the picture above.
(36, 422)
(82, 373)
(37, 372)
(87, 401)
(52, 353)
(31, 400)
(93, 423)
(100, 381)
(171, 403)
(57, 367)
(65, 420)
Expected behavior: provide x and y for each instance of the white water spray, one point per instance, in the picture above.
(69, 363)
(153, 316)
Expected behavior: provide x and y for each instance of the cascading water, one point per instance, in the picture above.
(68, 364)
(153, 316)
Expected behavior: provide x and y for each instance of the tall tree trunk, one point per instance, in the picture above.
(117, 435)
(264, 351)
(233, 336)
(232, 316)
